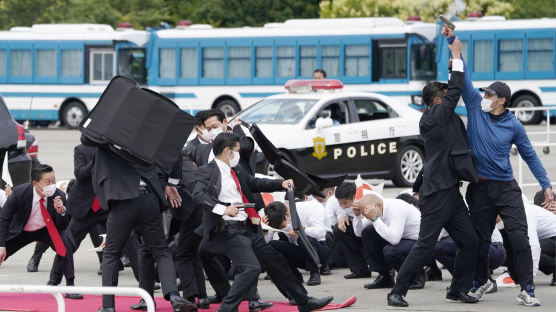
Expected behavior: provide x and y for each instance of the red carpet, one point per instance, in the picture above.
(47, 303)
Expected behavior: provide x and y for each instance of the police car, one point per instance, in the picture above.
(330, 133)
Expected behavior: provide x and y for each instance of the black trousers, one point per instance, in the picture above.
(487, 200)
(381, 255)
(547, 262)
(40, 248)
(142, 213)
(25, 238)
(188, 262)
(445, 253)
(246, 247)
(298, 256)
(336, 259)
(443, 209)
(352, 248)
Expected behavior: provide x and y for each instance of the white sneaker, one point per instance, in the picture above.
(479, 292)
(527, 300)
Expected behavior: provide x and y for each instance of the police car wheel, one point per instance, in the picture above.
(409, 161)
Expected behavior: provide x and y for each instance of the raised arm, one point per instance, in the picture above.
(530, 156)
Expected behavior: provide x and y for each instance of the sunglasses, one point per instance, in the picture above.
(490, 92)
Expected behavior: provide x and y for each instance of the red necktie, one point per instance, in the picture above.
(251, 212)
(52, 231)
(96, 205)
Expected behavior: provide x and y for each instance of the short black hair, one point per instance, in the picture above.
(199, 117)
(320, 70)
(408, 199)
(432, 90)
(346, 190)
(39, 170)
(213, 112)
(539, 198)
(276, 213)
(71, 183)
(223, 140)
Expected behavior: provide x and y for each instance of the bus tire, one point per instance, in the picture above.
(229, 106)
(409, 161)
(72, 114)
(528, 117)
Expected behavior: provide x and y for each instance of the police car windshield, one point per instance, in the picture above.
(278, 111)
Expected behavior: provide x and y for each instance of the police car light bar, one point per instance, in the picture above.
(310, 85)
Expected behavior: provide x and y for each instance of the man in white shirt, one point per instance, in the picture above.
(312, 218)
(336, 258)
(389, 228)
(349, 243)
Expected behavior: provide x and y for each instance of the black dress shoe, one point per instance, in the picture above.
(382, 281)
(99, 272)
(33, 265)
(101, 309)
(553, 283)
(325, 270)
(291, 301)
(204, 303)
(156, 286)
(314, 279)
(259, 305)
(315, 304)
(182, 305)
(433, 274)
(353, 275)
(419, 281)
(74, 296)
(461, 296)
(396, 300)
(141, 306)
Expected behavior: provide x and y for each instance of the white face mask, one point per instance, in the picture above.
(204, 135)
(49, 190)
(486, 105)
(211, 135)
(234, 161)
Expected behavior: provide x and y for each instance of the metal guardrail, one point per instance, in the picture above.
(57, 292)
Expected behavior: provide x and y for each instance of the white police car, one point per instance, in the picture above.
(330, 133)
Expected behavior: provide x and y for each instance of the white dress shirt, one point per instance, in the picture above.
(399, 220)
(3, 198)
(330, 216)
(228, 193)
(541, 224)
(334, 208)
(35, 221)
(311, 217)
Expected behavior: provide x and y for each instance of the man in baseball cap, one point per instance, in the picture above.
(493, 94)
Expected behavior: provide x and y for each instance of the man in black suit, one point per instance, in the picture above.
(36, 212)
(134, 195)
(85, 210)
(222, 191)
(449, 160)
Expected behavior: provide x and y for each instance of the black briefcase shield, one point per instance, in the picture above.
(139, 122)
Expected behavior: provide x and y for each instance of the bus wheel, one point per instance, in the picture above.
(409, 161)
(528, 117)
(229, 107)
(73, 113)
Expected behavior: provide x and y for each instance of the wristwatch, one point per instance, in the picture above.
(374, 218)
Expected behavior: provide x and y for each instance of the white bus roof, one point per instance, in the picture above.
(75, 32)
(491, 24)
(310, 27)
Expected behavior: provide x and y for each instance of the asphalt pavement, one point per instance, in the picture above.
(56, 149)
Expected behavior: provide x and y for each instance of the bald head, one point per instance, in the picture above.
(368, 199)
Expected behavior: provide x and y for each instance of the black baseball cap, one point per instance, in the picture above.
(500, 89)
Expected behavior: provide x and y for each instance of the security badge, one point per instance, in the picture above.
(319, 148)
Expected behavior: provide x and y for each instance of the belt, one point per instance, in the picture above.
(481, 179)
(235, 222)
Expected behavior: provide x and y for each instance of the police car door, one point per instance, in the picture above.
(329, 142)
(377, 140)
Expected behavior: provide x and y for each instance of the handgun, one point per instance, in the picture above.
(447, 22)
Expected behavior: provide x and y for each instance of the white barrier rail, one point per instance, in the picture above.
(58, 291)
(541, 108)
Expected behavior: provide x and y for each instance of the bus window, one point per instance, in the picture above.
(20, 63)
(2, 62)
(263, 64)
(356, 60)
(102, 65)
(391, 60)
(285, 64)
(189, 63)
(71, 63)
(540, 54)
(239, 62)
(465, 49)
(45, 63)
(510, 55)
(482, 60)
(307, 60)
(167, 63)
(422, 62)
(213, 62)
(131, 63)
(331, 60)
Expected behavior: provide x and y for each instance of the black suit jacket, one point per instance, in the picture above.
(17, 209)
(82, 192)
(117, 178)
(209, 184)
(449, 158)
